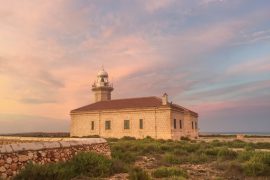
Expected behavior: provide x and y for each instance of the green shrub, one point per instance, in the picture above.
(258, 165)
(237, 144)
(249, 147)
(165, 172)
(245, 155)
(150, 148)
(112, 139)
(191, 147)
(138, 174)
(226, 154)
(148, 138)
(126, 156)
(165, 147)
(262, 145)
(128, 138)
(197, 158)
(173, 159)
(180, 152)
(92, 136)
(216, 143)
(119, 166)
(91, 165)
(87, 164)
(185, 138)
(211, 151)
(234, 168)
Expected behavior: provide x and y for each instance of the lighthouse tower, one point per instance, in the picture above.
(102, 88)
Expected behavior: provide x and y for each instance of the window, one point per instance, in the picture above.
(180, 124)
(107, 125)
(192, 125)
(126, 124)
(141, 123)
(92, 125)
(174, 123)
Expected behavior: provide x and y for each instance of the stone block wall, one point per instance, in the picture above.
(13, 157)
(156, 123)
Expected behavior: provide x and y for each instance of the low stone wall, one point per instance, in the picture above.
(13, 157)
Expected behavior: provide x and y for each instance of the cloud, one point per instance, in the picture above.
(36, 101)
(251, 66)
(155, 5)
(18, 123)
(50, 52)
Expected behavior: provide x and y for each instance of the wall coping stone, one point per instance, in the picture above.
(51, 144)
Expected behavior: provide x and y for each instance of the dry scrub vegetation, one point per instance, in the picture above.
(153, 159)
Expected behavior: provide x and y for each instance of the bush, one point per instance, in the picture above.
(235, 169)
(212, 151)
(197, 158)
(180, 152)
(87, 164)
(119, 166)
(216, 143)
(173, 159)
(245, 155)
(126, 156)
(164, 172)
(237, 144)
(191, 147)
(112, 139)
(226, 154)
(150, 148)
(92, 136)
(128, 138)
(91, 164)
(138, 174)
(258, 165)
(262, 145)
(185, 138)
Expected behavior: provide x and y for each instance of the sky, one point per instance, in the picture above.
(211, 56)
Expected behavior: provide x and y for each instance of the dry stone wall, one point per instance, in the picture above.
(13, 157)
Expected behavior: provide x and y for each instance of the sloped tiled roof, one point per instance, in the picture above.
(142, 102)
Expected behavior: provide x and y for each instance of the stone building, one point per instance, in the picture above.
(136, 117)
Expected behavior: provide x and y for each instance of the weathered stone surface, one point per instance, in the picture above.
(75, 143)
(9, 172)
(15, 159)
(13, 162)
(23, 158)
(65, 144)
(30, 155)
(13, 167)
(8, 149)
(27, 146)
(2, 149)
(51, 145)
(9, 160)
(3, 175)
(2, 169)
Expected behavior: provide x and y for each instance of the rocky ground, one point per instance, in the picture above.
(195, 172)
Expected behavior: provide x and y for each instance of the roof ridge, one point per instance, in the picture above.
(136, 98)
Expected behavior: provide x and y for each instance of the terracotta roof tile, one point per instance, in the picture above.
(142, 102)
(122, 104)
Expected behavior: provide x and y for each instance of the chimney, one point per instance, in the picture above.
(165, 99)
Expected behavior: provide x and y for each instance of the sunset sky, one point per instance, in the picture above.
(212, 56)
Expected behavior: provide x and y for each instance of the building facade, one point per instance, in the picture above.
(135, 117)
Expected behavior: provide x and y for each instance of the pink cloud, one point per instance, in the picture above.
(155, 5)
(251, 66)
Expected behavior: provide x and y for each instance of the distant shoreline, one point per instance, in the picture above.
(234, 133)
(201, 134)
